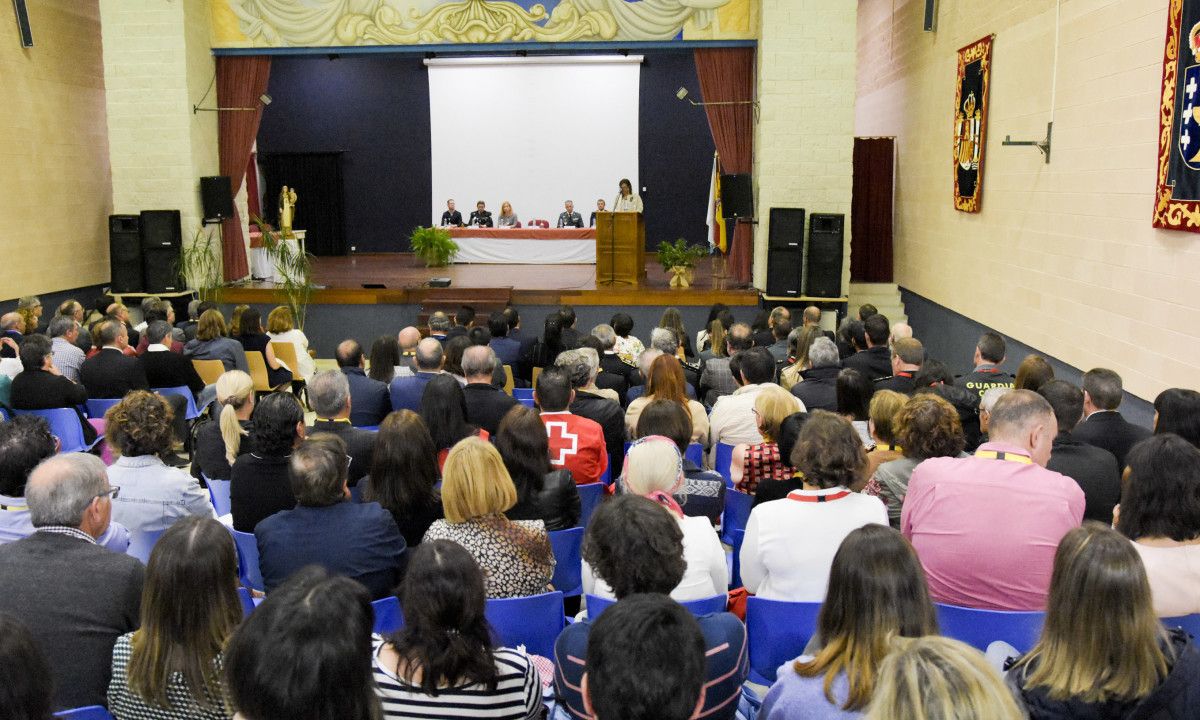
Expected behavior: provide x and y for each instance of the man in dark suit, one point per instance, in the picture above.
(40, 386)
(451, 217)
(439, 327)
(464, 318)
(163, 367)
(906, 357)
(1093, 468)
(527, 341)
(1102, 425)
(717, 380)
(582, 366)
(779, 348)
(358, 540)
(369, 400)
(818, 389)
(11, 335)
(876, 361)
(406, 391)
(329, 392)
(812, 318)
(486, 403)
(480, 217)
(567, 320)
(110, 373)
(508, 350)
(75, 596)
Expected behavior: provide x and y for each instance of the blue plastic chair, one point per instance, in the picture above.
(91, 712)
(523, 394)
(247, 601)
(186, 392)
(372, 428)
(568, 566)
(218, 491)
(590, 495)
(978, 628)
(527, 402)
(141, 542)
(388, 616)
(66, 426)
(4, 416)
(737, 514)
(1189, 623)
(777, 632)
(96, 408)
(735, 563)
(247, 548)
(606, 476)
(356, 493)
(703, 606)
(722, 459)
(695, 452)
(533, 621)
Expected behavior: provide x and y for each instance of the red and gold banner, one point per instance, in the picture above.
(970, 122)
(1177, 189)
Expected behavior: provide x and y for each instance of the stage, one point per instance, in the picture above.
(400, 279)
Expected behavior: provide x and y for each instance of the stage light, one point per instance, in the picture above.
(265, 98)
(681, 93)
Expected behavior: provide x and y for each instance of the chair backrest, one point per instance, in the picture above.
(703, 606)
(356, 493)
(568, 567)
(777, 632)
(527, 402)
(1189, 623)
(737, 513)
(141, 542)
(722, 459)
(735, 565)
(209, 370)
(695, 453)
(533, 377)
(979, 628)
(96, 407)
(65, 425)
(247, 601)
(258, 371)
(91, 712)
(606, 477)
(247, 547)
(590, 495)
(285, 352)
(533, 621)
(218, 490)
(388, 615)
(523, 394)
(183, 391)
(509, 383)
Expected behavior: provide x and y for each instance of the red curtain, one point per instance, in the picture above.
(240, 82)
(727, 74)
(871, 210)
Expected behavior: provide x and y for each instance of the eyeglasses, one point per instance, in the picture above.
(112, 492)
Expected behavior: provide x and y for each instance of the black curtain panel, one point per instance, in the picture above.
(317, 179)
(871, 210)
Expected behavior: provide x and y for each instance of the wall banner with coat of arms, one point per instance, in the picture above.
(970, 122)
(1177, 190)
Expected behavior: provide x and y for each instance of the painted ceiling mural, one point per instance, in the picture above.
(341, 23)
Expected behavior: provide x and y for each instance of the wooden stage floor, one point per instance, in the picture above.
(403, 278)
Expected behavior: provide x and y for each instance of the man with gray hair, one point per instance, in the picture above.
(717, 380)
(612, 365)
(581, 366)
(986, 527)
(486, 404)
(1102, 425)
(817, 388)
(439, 327)
(357, 540)
(64, 332)
(405, 390)
(12, 327)
(75, 596)
(986, 403)
(329, 392)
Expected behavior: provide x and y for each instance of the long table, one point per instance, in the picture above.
(525, 246)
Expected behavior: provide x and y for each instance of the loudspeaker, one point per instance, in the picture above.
(785, 267)
(930, 15)
(737, 196)
(161, 269)
(824, 256)
(161, 229)
(216, 193)
(125, 253)
(786, 228)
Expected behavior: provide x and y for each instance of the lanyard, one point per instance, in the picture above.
(889, 448)
(818, 498)
(14, 508)
(1001, 455)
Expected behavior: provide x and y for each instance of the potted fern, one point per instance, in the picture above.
(293, 266)
(200, 265)
(433, 245)
(679, 259)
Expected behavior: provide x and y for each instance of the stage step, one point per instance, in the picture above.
(485, 301)
(884, 296)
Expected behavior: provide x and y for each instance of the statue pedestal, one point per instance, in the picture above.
(262, 265)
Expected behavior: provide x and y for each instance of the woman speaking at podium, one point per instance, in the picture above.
(627, 200)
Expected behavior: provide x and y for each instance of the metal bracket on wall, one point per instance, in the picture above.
(1043, 145)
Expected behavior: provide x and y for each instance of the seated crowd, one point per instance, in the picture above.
(871, 480)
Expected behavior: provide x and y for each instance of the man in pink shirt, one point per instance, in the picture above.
(576, 442)
(986, 527)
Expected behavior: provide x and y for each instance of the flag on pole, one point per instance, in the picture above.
(716, 219)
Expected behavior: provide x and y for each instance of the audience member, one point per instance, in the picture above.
(543, 493)
(934, 377)
(789, 546)
(732, 420)
(936, 677)
(851, 337)
(570, 336)
(628, 347)
(1093, 663)
(527, 340)
(120, 313)
(218, 444)
(550, 344)
(989, 356)
(147, 304)
(1177, 410)
(260, 486)
(900, 330)
(990, 397)
(638, 548)
(799, 342)
(704, 336)
(668, 342)
(281, 327)
(515, 555)
(645, 360)
(779, 347)
(166, 369)
(1102, 424)
(764, 335)
(210, 343)
(404, 475)
(358, 540)
(30, 309)
(1094, 469)
(28, 691)
(486, 404)
(12, 335)
(444, 662)
(876, 592)
(885, 404)
(926, 427)
(153, 495)
(72, 310)
(576, 443)
(464, 320)
(171, 665)
(383, 363)
(408, 338)
(665, 381)
(672, 320)
(305, 652)
(703, 492)
(716, 380)
(615, 373)
(1033, 372)
(444, 410)
(584, 366)
(645, 661)
(253, 339)
(39, 386)
(907, 355)
(64, 332)
(369, 399)
(1160, 513)
(406, 391)
(854, 391)
(875, 361)
(789, 433)
(985, 526)
(759, 462)
(110, 373)
(817, 387)
(332, 399)
(439, 327)
(75, 597)
(507, 350)
(159, 311)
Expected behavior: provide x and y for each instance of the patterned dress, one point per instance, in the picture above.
(515, 555)
(125, 704)
(762, 463)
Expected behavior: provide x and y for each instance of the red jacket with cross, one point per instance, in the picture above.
(577, 444)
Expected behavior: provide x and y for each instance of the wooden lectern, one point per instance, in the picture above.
(620, 248)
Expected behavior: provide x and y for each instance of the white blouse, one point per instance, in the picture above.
(629, 203)
(707, 573)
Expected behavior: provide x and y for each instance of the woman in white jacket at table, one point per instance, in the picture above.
(627, 200)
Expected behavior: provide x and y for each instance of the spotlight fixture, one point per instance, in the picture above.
(682, 94)
(265, 99)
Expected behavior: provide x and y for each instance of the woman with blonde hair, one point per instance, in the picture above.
(761, 462)
(281, 327)
(476, 491)
(507, 218)
(211, 343)
(672, 320)
(881, 422)
(936, 678)
(218, 444)
(799, 341)
(665, 381)
(235, 320)
(1033, 372)
(30, 310)
(1103, 652)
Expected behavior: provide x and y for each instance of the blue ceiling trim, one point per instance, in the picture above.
(488, 48)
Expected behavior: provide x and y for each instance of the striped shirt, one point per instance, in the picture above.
(517, 695)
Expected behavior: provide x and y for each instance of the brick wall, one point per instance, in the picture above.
(1062, 256)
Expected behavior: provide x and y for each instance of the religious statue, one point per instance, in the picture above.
(287, 211)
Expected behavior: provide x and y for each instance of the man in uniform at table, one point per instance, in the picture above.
(570, 218)
(451, 216)
(481, 217)
(599, 208)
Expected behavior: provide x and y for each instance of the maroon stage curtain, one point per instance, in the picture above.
(727, 74)
(871, 210)
(240, 82)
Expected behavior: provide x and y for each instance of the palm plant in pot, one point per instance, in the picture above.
(679, 259)
(433, 245)
(293, 267)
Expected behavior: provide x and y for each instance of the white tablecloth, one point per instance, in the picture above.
(261, 265)
(525, 252)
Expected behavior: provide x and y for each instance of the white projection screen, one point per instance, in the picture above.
(533, 131)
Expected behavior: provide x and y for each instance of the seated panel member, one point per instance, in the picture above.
(451, 216)
(480, 217)
(570, 218)
(508, 218)
(599, 209)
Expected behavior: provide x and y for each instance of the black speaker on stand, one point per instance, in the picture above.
(785, 252)
(216, 194)
(162, 239)
(125, 253)
(737, 196)
(824, 256)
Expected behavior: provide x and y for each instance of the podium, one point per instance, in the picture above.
(620, 248)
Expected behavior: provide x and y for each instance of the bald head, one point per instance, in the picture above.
(1024, 418)
(429, 355)
(11, 321)
(478, 364)
(901, 330)
(349, 353)
(64, 490)
(408, 339)
(812, 315)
